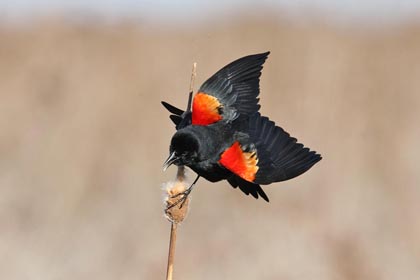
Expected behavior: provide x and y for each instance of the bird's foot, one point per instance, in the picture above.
(183, 197)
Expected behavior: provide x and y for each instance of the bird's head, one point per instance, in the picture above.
(184, 149)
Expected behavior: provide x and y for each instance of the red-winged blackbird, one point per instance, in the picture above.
(224, 137)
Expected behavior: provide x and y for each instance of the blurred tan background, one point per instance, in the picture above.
(83, 137)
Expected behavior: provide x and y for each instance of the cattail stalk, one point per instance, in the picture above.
(176, 214)
(171, 255)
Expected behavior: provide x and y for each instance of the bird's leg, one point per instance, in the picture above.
(188, 190)
(184, 194)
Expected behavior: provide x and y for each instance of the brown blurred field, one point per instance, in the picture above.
(83, 138)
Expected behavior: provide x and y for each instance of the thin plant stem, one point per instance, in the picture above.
(171, 254)
(193, 75)
(174, 223)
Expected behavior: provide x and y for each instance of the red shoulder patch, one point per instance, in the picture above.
(239, 162)
(205, 109)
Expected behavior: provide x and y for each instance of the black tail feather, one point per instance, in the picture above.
(247, 187)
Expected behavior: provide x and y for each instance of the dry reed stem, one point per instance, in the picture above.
(178, 213)
(193, 75)
(171, 255)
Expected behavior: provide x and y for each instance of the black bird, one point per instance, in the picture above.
(221, 135)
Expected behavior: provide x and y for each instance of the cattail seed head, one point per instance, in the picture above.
(177, 213)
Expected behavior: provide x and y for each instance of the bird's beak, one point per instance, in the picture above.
(171, 159)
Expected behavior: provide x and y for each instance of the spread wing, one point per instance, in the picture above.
(280, 157)
(233, 90)
(267, 154)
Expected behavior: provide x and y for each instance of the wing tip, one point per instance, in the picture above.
(297, 168)
(175, 119)
(263, 54)
(171, 108)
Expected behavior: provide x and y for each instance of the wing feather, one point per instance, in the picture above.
(235, 89)
(280, 157)
(236, 86)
